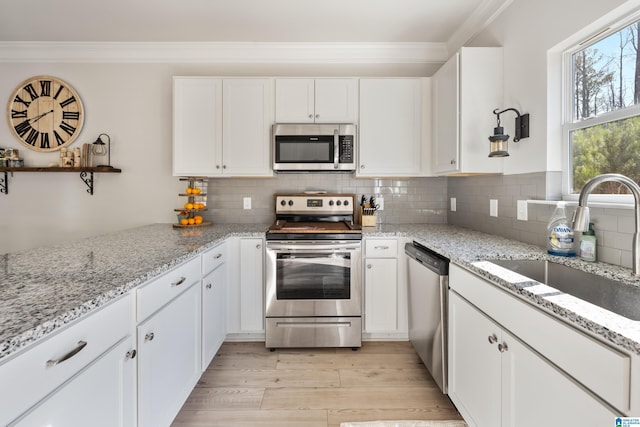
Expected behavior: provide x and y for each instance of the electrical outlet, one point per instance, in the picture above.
(453, 204)
(523, 213)
(380, 203)
(246, 203)
(493, 207)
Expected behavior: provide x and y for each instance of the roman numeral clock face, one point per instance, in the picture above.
(45, 113)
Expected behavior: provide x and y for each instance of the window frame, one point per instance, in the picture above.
(570, 124)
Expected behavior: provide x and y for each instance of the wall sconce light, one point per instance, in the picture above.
(99, 148)
(499, 142)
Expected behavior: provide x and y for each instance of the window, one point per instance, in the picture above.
(602, 123)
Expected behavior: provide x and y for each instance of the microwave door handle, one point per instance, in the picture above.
(336, 150)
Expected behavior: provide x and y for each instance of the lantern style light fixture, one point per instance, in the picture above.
(499, 142)
(99, 148)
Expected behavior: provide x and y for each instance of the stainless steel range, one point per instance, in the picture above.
(313, 285)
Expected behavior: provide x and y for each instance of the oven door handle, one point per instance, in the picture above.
(336, 148)
(311, 247)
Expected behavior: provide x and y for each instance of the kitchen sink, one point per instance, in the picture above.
(611, 295)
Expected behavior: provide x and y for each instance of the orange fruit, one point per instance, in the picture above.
(198, 220)
(189, 190)
(198, 217)
(188, 206)
(184, 221)
(196, 190)
(191, 221)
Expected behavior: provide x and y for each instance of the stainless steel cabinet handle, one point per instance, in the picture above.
(503, 347)
(317, 116)
(179, 282)
(217, 166)
(361, 166)
(149, 337)
(224, 166)
(453, 162)
(208, 286)
(369, 266)
(311, 116)
(131, 354)
(218, 256)
(77, 349)
(381, 247)
(258, 246)
(493, 339)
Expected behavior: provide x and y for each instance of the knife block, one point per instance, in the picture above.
(367, 220)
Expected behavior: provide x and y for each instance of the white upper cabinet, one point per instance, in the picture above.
(391, 142)
(328, 100)
(222, 126)
(466, 90)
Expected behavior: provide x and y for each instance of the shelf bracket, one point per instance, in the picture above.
(4, 184)
(87, 180)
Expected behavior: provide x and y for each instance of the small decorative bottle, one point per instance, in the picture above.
(588, 244)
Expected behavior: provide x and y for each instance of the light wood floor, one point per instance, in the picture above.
(247, 385)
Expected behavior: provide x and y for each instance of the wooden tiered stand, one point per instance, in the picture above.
(199, 197)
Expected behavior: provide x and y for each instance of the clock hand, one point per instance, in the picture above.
(36, 118)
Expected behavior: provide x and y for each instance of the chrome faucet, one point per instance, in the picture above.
(581, 216)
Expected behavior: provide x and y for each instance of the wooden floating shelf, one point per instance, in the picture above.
(86, 174)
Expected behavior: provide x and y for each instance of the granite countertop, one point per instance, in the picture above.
(43, 289)
(472, 250)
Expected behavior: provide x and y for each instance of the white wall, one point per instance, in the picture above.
(531, 32)
(132, 103)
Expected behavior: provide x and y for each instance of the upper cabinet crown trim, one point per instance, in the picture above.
(223, 52)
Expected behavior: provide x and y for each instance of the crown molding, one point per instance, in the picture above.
(481, 18)
(223, 52)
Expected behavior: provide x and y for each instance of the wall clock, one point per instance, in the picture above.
(45, 113)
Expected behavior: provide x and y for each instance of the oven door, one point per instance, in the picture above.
(313, 279)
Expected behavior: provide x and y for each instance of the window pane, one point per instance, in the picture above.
(604, 74)
(612, 147)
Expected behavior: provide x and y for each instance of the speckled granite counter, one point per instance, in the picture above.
(471, 249)
(45, 288)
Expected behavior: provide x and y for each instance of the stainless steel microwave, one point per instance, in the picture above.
(314, 147)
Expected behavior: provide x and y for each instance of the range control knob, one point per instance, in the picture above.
(346, 203)
(283, 202)
(330, 202)
(338, 203)
(290, 202)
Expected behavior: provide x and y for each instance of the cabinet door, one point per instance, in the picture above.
(214, 313)
(390, 127)
(295, 101)
(103, 394)
(251, 285)
(381, 295)
(197, 126)
(474, 364)
(445, 109)
(535, 393)
(336, 101)
(247, 117)
(169, 363)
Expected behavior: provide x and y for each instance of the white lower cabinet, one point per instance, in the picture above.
(245, 300)
(495, 379)
(103, 394)
(214, 313)
(169, 351)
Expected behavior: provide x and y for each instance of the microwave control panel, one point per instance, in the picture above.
(346, 149)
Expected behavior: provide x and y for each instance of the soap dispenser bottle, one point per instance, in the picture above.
(588, 244)
(560, 233)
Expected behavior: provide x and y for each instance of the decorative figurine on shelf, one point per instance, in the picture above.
(99, 148)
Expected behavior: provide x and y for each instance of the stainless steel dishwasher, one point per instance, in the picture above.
(427, 294)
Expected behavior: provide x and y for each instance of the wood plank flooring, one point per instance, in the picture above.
(247, 385)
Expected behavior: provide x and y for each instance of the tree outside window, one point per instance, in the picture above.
(604, 133)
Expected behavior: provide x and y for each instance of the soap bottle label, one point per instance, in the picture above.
(561, 238)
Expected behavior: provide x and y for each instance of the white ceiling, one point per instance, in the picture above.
(315, 21)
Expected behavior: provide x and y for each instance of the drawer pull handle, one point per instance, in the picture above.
(149, 337)
(77, 349)
(493, 339)
(258, 246)
(218, 256)
(384, 248)
(503, 347)
(131, 354)
(208, 285)
(179, 282)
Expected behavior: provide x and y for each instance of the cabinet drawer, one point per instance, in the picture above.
(32, 374)
(213, 258)
(381, 248)
(602, 368)
(160, 291)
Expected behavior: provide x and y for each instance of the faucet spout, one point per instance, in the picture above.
(581, 216)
